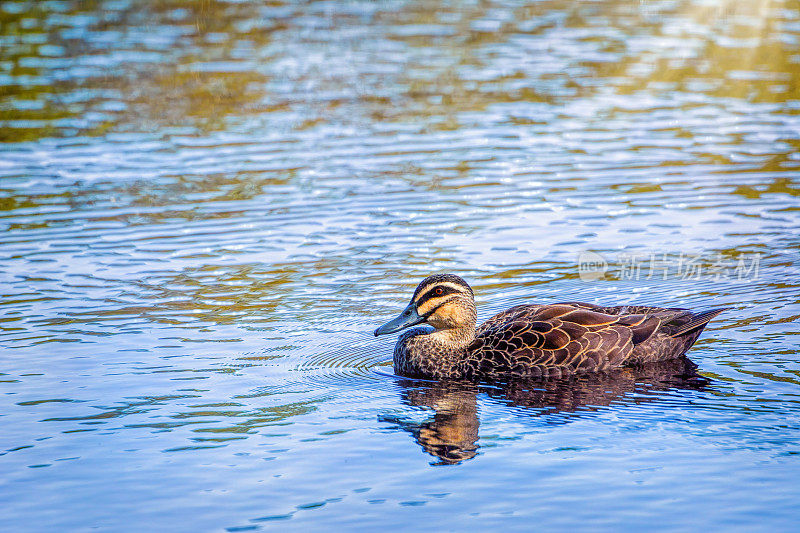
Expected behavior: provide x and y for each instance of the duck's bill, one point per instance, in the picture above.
(409, 317)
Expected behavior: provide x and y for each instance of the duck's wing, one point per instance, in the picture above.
(542, 340)
(507, 316)
(665, 313)
(675, 321)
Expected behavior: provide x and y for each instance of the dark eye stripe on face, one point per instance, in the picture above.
(434, 293)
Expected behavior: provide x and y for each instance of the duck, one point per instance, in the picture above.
(530, 340)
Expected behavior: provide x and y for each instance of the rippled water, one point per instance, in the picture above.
(208, 206)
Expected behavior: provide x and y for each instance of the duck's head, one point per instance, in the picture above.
(444, 301)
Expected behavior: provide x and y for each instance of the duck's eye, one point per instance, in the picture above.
(438, 291)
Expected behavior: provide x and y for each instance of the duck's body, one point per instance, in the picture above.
(532, 340)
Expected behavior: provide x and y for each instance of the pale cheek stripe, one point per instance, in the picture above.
(433, 303)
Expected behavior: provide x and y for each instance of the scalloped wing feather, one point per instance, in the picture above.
(542, 340)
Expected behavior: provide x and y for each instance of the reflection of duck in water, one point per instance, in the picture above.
(532, 340)
(452, 434)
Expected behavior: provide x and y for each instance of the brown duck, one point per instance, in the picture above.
(529, 341)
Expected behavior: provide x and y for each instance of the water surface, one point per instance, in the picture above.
(207, 207)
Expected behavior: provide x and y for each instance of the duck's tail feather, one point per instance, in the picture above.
(696, 321)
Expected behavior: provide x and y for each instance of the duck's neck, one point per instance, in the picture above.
(454, 340)
(436, 354)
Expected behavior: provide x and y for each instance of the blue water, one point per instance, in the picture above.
(208, 207)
